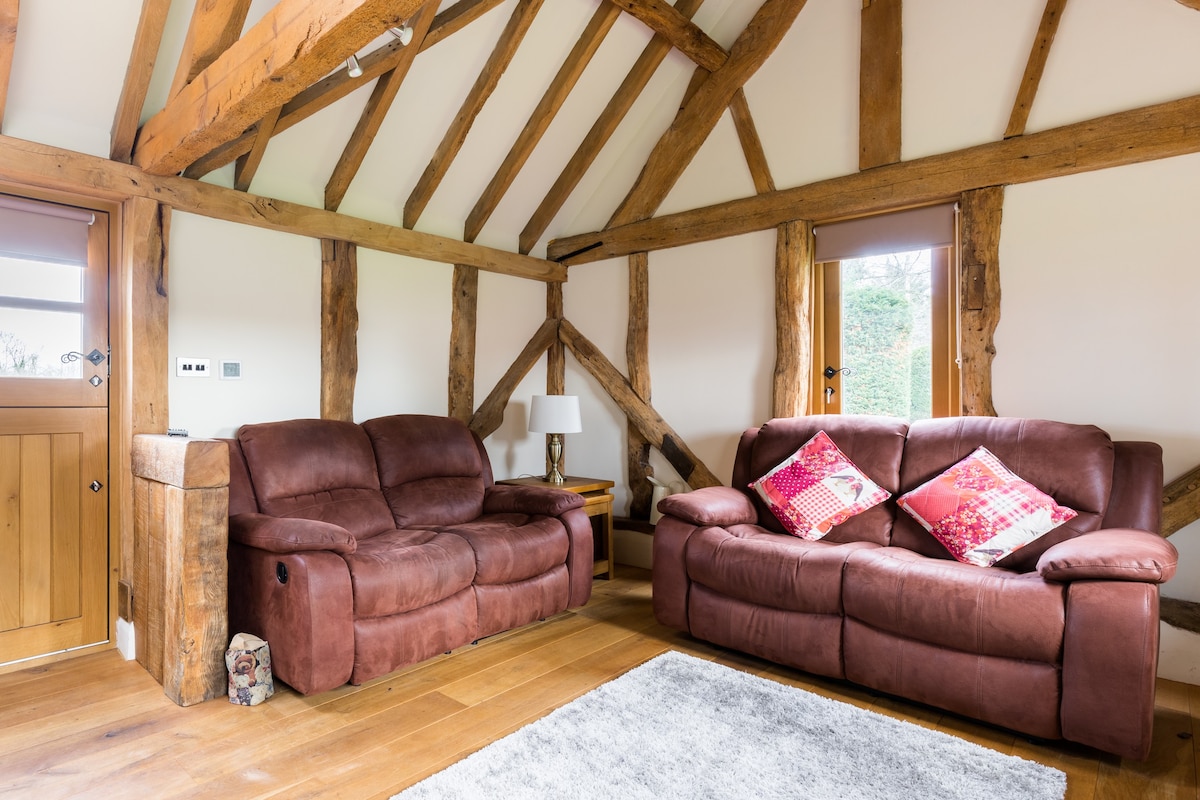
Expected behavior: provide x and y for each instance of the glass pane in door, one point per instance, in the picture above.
(887, 335)
(41, 318)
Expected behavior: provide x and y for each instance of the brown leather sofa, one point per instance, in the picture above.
(1058, 640)
(357, 549)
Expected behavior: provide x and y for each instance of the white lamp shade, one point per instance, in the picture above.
(554, 413)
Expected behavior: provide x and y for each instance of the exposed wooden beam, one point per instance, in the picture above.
(374, 113)
(338, 84)
(979, 295)
(637, 360)
(464, 306)
(652, 426)
(879, 83)
(565, 80)
(756, 157)
(292, 47)
(793, 319)
(678, 29)
(696, 120)
(556, 359)
(339, 329)
(506, 47)
(9, 12)
(1128, 137)
(247, 164)
(612, 115)
(1181, 502)
(215, 25)
(1034, 68)
(137, 77)
(491, 411)
(53, 168)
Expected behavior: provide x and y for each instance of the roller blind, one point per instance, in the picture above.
(898, 232)
(36, 231)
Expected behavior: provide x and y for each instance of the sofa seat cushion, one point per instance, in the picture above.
(513, 547)
(959, 606)
(750, 563)
(402, 570)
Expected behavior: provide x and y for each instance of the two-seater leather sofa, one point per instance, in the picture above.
(1057, 640)
(357, 549)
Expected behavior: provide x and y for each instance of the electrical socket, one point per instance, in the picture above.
(192, 367)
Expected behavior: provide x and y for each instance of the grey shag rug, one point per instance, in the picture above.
(681, 727)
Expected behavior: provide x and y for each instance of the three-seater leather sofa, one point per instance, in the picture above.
(1057, 640)
(357, 549)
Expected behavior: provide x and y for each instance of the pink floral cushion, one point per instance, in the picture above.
(816, 488)
(981, 511)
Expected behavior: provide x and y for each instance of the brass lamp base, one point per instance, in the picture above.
(554, 448)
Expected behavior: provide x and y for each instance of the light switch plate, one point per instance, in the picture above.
(192, 367)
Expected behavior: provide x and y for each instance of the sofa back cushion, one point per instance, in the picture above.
(316, 469)
(1071, 463)
(432, 469)
(874, 444)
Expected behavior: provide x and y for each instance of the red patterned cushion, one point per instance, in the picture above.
(816, 488)
(981, 511)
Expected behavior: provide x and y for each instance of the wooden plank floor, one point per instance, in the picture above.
(98, 726)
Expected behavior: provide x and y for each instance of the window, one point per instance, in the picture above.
(885, 316)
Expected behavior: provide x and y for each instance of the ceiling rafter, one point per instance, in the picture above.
(337, 85)
(747, 131)
(564, 81)
(215, 26)
(9, 11)
(602, 129)
(289, 49)
(678, 29)
(1035, 67)
(248, 163)
(1143, 134)
(375, 111)
(675, 150)
(452, 142)
(146, 40)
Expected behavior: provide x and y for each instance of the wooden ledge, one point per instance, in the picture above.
(180, 461)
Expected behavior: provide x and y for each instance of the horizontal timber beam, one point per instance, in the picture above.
(53, 168)
(1128, 137)
(1181, 502)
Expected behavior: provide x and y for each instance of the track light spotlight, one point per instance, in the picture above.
(404, 33)
(352, 67)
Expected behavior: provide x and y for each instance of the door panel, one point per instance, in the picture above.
(53, 588)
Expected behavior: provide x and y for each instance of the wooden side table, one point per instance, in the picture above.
(597, 504)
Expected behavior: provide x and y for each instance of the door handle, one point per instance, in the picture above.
(831, 371)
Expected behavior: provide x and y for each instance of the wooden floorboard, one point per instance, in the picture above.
(97, 726)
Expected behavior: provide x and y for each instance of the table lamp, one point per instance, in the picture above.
(554, 414)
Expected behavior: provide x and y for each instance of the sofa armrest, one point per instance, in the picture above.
(289, 534)
(1117, 554)
(507, 499)
(711, 505)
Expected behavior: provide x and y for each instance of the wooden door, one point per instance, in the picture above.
(53, 436)
(53, 531)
